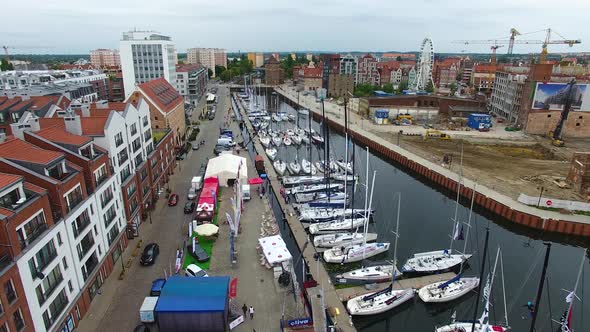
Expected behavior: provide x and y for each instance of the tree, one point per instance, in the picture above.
(399, 58)
(225, 75)
(181, 62)
(210, 72)
(287, 65)
(4, 65)
(364, 90)
(387, 88)
(453, 88)
(219, 70)
(430, 86)
(402, 86)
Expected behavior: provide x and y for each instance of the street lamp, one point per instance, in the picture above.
(541, 188)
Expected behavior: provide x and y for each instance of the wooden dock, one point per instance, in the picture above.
(330, 297)
(346, 294)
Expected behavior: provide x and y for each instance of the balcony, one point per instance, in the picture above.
(85, 245)
(90, 265)
(101, 179)
(133, 207)
(5, 261)
(118, 142)
(149, 149)
(113, 233)
(32, 236)
(74, 200)
(43, 296)
(80, 224)
(125, 174)
(42, 262)
(104, 200)
(109, 217)
(138, 160)
(133, 130)
(123, 157)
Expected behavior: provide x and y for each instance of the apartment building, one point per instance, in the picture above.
(166, 106)
(66, 248)
(12, 109)
(191, 82)
(145, 56)
(208, 57)
(310, 77)
(103, 57)
(330, 66)
(507, 96)
(348, 66)
(367, 72)
(273, 72)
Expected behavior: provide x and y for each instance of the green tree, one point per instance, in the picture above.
(219, 70)
(225, 75)
(364, 90)
(430, 87)
(387, 88)
(287, 65)
(402, 86)
(209, 72)
(399, 58)
(4, 65)
(181, 62)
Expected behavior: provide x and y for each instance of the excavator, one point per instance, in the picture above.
(555, 135)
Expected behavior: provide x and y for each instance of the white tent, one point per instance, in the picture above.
(274, 248)
(225, 167)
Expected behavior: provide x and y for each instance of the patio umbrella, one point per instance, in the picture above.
(254, 181)
(207, 230)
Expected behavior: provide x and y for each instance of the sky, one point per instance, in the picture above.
(77, 26)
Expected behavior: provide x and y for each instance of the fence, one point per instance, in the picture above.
(553, 203)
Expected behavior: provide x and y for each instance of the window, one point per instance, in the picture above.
(85, 245)
(31, 230)
(109, 216)
(133, 129)
(9, 291)
(59, 242)
(10, 199)
(45, 256)
(136, 144)
(80, 224)
(70, 287)
(74, 198)
(106, 196)
(64, 262)
(125, 173)
(145, 120)
(1, 311)
(118, 139)
(123, 156)
(55, 309)
(56, 171)
(131, 189)
(87, 151)
(4, 328)
(49, 284)
(100, 175)
(17, 317)
(144, 174)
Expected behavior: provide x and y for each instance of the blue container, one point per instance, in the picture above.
(479, 121)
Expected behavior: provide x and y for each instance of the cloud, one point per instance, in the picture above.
(285, 25)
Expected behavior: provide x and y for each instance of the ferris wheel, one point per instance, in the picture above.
(425, 64)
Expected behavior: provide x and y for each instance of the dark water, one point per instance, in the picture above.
(425, 225)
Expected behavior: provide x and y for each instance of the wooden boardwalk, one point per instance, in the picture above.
(331, 298)
(346, 294)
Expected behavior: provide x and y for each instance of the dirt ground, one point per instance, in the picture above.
(508, 167)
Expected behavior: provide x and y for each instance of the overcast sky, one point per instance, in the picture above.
(77, 26)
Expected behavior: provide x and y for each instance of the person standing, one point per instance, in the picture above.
(244, 309)
(251, 312)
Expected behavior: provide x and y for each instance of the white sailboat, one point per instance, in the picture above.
(280, 166)
(344, 166)
(458, 286)
(271, 153)
(336, 226)
(265, 141)
(309, 188)
(301, 180)
(277, 140)
(307, 167)
(287, 140)
(275, 117)
(296, 139)
(341, 239)
(317, 139)
(368, 274)
(386, 299)
(320, 166)
(310, 197)
(304, 138)
(294, 167)
(326, 214)
(343, 177)
(440, 260)
(483, 324)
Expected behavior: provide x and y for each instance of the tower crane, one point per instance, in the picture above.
(7, 54)
(511, 41)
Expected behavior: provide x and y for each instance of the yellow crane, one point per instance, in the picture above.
(510, 41)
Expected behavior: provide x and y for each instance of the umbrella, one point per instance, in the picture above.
(254, 181)
(207, 229)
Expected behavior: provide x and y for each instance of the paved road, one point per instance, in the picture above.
(117, 308)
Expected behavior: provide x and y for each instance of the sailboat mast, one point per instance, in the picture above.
(455, 221)
(399, 207)
(541, 285)
(468, 228)
(366, 223)
(346, 171)
(481, 271)
(569, 309)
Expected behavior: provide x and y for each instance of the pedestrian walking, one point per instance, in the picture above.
(244, 309)
(263, 191)
(251, 312)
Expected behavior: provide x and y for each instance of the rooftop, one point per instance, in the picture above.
(7, 180)
(16, 149)
(164, 95)
(58, 134)
(187, 68)
(196, 294)
(93, 125)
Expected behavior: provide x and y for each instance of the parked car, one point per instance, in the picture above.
(200, 254)
(192, 193)
(219, 148)
(180, 156)
(173, 200)
(189, 207)
(193, 270)
(150, 252)
(195, 145)
(157, 286)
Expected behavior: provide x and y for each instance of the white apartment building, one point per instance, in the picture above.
(146, 55)
(348, 66)
(103, 57)
(208, 57)
(507, 95)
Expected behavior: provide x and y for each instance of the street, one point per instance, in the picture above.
(117, 308)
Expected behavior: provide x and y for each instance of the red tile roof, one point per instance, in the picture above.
(16, 149)
(9, 103)
(34, 103)
(58, 134)
(51, 122)
(312, 72)
(112, 105)
(162, 93)
(32, 187)
(93, 125)
(392, 65)
(187, 67)
(8, 179)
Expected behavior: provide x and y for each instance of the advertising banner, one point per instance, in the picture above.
(552, 96)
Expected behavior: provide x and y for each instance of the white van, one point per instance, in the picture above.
(225, 141)
(246, 192)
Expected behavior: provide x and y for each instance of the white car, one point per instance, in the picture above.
(194, 271)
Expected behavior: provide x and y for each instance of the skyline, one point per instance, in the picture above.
(281, 26)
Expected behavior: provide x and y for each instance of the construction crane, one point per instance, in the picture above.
(493, 69)
(7, 54)
(556, 139)
(511, 41)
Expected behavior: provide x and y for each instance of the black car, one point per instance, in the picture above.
(189, 207)
(150, 252)
(219, 148)
(200, 254)
(141, 328)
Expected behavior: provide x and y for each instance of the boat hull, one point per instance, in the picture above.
(380, 304)
(340, 239)
(368, 274)
(466, 327)
(355, 253)
(432, 294)
(336, 226)
(433, 261)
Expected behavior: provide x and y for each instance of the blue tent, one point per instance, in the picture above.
(193, 304)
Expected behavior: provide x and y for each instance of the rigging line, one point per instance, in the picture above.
(549, 303)
(583, 282)
(517, 295)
